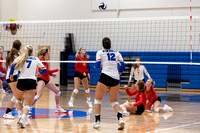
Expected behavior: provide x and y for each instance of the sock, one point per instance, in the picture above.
(119, 115)
(72, 99)
(24, 116)
(57, 106)
(97, 117)
(88, 99)
(157, 109)
(8, 110)
(19, 113)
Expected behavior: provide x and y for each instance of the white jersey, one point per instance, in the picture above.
(109, 60)
(138, 73)
(29, 69)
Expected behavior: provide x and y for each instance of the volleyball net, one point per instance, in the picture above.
(164, 44)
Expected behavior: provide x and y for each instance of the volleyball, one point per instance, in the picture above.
(102, 6)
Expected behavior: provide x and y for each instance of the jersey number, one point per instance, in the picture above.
(111, 57)
(29, 63)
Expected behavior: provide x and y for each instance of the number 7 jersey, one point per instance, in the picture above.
(109, 60)
(28, 71)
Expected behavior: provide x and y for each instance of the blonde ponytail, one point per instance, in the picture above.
(78, 53)
(42, 52)
(23, 57)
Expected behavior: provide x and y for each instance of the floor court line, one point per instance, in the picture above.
(174, 127)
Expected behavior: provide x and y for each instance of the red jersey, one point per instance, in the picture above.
(81, 67)
(151, 95)
(1, 66)
(140, 97)
(49, 72)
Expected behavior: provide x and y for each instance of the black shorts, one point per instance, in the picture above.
(158, 99)
(140, 109)
(134, 81)
(15, 79)
(108, 81)
(26, 84)
(46, 82)
(79, 75)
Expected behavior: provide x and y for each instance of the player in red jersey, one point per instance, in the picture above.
(2, 71)
(44, 80)
(83, 75)
(153, 99)
(139, 105)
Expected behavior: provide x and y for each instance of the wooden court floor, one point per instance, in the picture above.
(184, 119)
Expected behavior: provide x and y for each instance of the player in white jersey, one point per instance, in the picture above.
(13, 54)
(26, 85)
(109, 78)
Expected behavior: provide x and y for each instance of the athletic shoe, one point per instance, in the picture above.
(21, 122)
(8, 116)
(125, 113)
(97, 125)
(89, 104)
(70, 103)
(121, 124)
(2, 91)
(60, 110)
(168, 108)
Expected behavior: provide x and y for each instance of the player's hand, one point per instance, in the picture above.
(84, 74)
(129, 82)
(126, 86)
(54, 75)
(38, 75)
(11, 77)
(58, 68)
(120, 73)
(88, 76)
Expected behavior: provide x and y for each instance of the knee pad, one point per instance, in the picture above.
(27, 107)
(114, 103)
(37, 97)
(156, 110)
(58, 94)
(87, 91)
(19, 101)
(96, 101)
(75, 91)
(13, 99)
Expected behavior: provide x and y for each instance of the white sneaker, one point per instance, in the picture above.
(125, 113)
(97, 125)
(70, 103)
(168, 108)
(2, 91)
(8, 116)
(89, 104)
(60, 110)
(121, 124)
(21, 122)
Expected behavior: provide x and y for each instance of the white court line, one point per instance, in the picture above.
(40, 130)
(173, 127)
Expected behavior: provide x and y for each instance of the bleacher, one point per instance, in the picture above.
(158, 72)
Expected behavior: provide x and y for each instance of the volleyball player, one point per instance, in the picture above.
(2, 71)
(109, 79)
(83, 75)
(137, 107)
(137, 71)
(26, 85)
(13, 54)
(44, 80)
(153, 99)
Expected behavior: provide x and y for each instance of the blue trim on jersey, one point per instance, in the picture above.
(12, 69)
(18, 73)
(122, 67)
(97, 64)
(43, 71)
